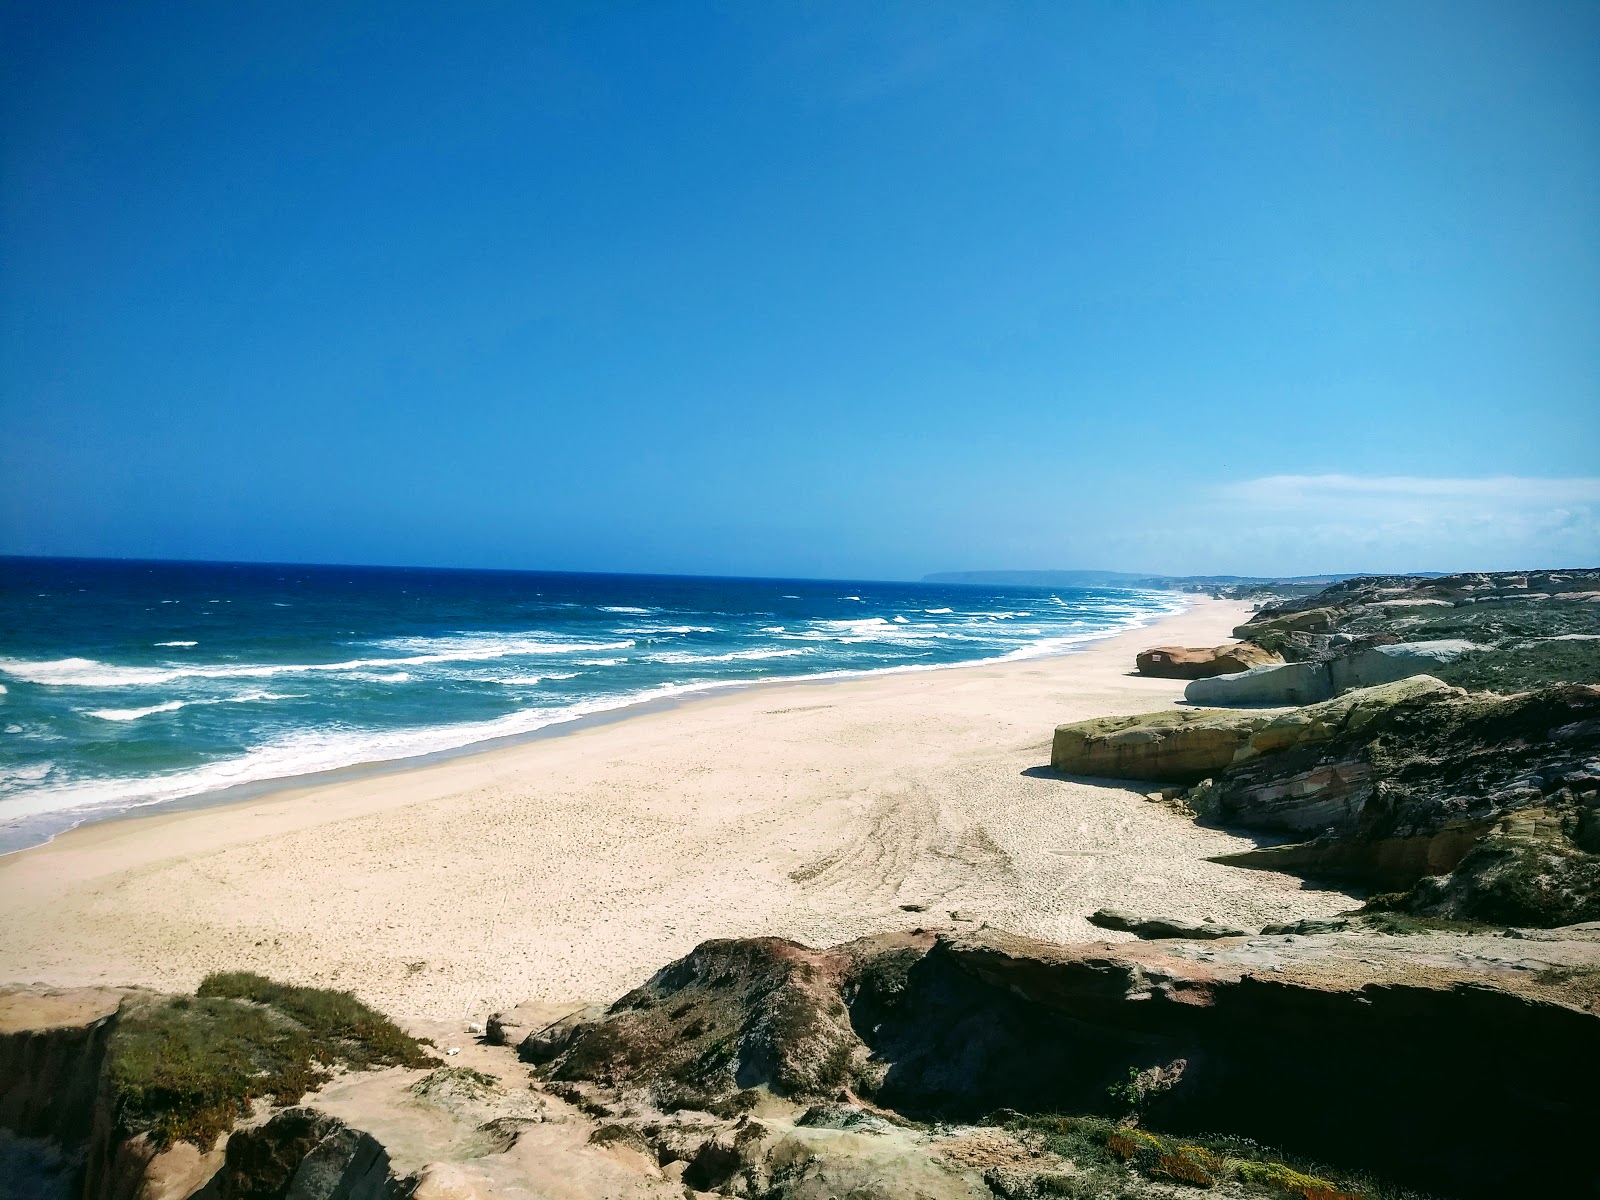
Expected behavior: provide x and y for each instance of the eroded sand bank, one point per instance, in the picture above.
(571, 868)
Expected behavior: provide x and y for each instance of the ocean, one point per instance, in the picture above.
(125, 684)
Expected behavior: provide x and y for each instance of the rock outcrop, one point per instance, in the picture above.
(302, 1154)
(1314, 681)
(1502, 791)
(1312, 1043)
(1505, 632)
(1189, 662)
(1275, 686)
(1185, 746)
(1156, 928)
(134, 1093)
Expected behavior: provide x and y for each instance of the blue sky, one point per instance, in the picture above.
(863, 290)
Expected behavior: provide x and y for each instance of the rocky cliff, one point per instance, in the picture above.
(1510, 631)
(1317, 1044)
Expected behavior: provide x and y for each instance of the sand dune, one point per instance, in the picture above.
(572, 867)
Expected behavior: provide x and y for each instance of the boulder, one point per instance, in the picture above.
(1156, 928)
(1189, 662)
(1279, 685)
(1385, 664)
(1185, 746)
(303, 1154)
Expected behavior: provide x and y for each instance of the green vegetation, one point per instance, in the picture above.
(1111, 1156)
(186, 1069)
(365, 1037)
(1521, 668)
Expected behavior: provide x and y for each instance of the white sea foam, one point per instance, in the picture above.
(177, 643)
(626, 608)
(649, 629)
(901, 621)
(534, 680)
(31, 773)
(934, 612)
(683, 657)
(84, 672)
(133, 714)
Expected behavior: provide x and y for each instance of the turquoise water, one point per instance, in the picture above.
(128, 684)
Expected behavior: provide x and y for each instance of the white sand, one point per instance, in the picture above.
(572, 867)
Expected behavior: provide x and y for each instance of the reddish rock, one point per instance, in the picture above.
(1202, 662)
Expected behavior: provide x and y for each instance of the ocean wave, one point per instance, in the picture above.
(30, 773)
(683, 657)
(133, 714)
(85, 672)
(534, 680)
(649, 629)
(934, 612)
(177, 643)
(626, 608)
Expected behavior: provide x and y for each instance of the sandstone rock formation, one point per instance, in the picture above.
(1504, 791)
(1310, 682)
(1187, 662)
(1271, 686)
(1185, 746)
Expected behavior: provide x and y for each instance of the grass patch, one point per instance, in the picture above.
(1107, 1153)
(365, 1037)
(187, 1069)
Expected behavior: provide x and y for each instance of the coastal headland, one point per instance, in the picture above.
(569, 868)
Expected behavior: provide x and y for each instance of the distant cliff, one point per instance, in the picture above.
(1120, 579)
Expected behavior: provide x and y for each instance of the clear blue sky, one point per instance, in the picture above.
(845, 289)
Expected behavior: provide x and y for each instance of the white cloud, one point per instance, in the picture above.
(1495, 489)
(1401, 522)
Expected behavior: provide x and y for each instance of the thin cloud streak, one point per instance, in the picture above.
(1498, 488)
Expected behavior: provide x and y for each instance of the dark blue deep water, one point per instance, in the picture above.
(132, 683)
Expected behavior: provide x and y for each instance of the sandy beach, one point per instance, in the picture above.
(569, 868)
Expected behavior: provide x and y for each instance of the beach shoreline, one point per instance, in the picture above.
(570, 867)
(674, 695)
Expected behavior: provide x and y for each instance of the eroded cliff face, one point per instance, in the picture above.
(52, 1052)
(1468, 805)
(1391, 1054)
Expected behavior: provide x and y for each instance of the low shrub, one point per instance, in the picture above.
(187, 1069)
